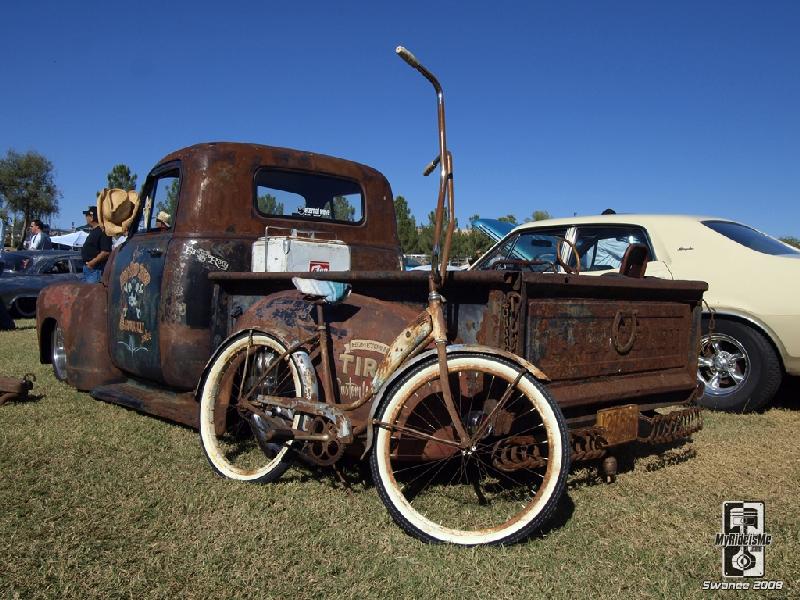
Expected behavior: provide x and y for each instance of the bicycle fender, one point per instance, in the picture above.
(453, 349)
(301, 359)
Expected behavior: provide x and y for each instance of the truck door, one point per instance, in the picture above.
(136, 278)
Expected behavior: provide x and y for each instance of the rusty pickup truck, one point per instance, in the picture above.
(271, 308)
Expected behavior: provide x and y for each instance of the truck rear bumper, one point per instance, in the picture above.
(625, 424)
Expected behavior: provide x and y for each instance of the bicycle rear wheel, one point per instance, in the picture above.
(227, 433)
(499, 489)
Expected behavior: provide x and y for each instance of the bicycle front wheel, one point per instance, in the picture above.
(499, 488)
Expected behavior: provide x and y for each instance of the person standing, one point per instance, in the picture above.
(39, 239)
(95, 249)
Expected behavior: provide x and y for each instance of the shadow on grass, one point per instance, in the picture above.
(28, 399)
(656, 457)
(348, 474)
(788, 395)
(355, 476)
(561, 515)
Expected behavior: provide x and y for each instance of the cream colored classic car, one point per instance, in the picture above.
(753, 279)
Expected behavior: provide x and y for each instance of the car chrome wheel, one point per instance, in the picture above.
(723, 365)
(59, 354)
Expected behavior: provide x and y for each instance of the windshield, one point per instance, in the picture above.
(750, 238)
(532, 250)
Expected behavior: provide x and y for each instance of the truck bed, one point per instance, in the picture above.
(603, 341)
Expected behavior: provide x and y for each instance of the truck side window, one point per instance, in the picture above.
(308, 196)
(159, 202)
(602, 247)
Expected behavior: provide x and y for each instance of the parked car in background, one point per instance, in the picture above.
(753, 279)
(26, 272)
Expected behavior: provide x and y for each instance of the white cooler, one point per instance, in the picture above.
(299, 251)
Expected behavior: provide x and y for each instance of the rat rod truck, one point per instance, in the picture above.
(470, 408)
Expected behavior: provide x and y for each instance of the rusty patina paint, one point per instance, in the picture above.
(81, 310)
(362, 330)
(569, 326)
(217, 199)
(602, 341)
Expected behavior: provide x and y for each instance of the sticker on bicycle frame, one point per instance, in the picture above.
(358, 367)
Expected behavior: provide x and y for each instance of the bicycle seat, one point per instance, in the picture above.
(319, 290)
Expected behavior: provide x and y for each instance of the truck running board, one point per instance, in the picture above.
(177, 407)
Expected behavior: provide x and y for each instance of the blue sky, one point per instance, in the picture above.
(568, 107)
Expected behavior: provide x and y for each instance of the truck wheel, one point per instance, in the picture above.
(738, 366)
(58, 353)
(500, 488)
(227, 433)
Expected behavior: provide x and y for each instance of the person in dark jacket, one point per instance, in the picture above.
(39, 239)
(95, 249)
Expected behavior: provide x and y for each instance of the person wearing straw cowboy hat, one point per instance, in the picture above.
(95, 249)
(162, 220)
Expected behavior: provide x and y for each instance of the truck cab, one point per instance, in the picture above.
(150, 318)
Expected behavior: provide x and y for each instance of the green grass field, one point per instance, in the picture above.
(100, 502)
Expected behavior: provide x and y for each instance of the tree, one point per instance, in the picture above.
(406, 226)
(120, 177)
(171, 202)
(472, 244)
(342, 209)
(539, 215)
(792, 241)
(269, 205)
(509, 219)
(27, 185)
(425, 236)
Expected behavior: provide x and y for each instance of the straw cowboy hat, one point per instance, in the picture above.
(163, 217)
(117, 209)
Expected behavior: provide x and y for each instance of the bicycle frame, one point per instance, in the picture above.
(429, 327)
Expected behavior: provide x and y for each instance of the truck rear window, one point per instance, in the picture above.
(308, 196)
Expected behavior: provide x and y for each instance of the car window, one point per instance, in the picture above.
(308, 196)
(59, 266)
(601, 248)
(532, 249)
(750, 238)
(77, 265)
(16, 262)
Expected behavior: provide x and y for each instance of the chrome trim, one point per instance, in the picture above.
(768, 331)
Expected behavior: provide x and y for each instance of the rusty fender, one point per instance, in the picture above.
(452, 350)
(82, 311)
(300, 358)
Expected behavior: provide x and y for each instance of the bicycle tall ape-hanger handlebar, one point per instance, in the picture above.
(440, 256)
